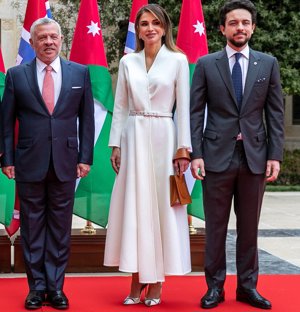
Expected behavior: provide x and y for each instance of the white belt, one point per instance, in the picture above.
(150, 114)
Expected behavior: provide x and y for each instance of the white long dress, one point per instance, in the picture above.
(145, 234)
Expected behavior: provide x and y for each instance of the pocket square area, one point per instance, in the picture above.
(77, 87)
(260, 80)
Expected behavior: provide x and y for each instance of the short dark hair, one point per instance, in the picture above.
(237, 4)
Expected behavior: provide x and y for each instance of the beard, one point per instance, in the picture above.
(239, 44)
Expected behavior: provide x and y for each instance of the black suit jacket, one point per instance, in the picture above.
(260, 119)
(66, 137)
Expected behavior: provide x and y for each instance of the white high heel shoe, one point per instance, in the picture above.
(149, 302)
(152, 302)
(132, 300)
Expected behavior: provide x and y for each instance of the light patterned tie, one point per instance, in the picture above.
(48, 89)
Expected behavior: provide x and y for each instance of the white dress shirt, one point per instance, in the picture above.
(244, 61)
(56, 74)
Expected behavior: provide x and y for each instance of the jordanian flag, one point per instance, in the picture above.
(93, 192)
(191, 39)
(7, 187)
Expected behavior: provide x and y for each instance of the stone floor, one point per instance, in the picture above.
(279, 235)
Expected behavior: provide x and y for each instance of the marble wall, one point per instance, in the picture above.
(10, 36)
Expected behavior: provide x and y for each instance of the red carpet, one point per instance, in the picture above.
(180, 294)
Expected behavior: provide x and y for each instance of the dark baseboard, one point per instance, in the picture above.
(87, 252)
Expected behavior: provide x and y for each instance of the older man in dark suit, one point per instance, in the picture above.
(52, 100)
(238, 150)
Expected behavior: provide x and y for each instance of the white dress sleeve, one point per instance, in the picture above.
(183, 105)
(120, 113)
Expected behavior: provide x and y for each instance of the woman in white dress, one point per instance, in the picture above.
(145, 235)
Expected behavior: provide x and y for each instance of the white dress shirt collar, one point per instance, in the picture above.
(230, 52)
(41, 65)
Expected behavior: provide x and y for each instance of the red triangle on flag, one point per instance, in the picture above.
(87, 47)
(2, 68)
(191, 37)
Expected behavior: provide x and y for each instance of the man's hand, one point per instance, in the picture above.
(272, 171)
(9, 171)
(198, 168)
(83, 170)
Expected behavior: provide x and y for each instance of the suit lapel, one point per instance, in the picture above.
(30, 72)
(253, 68)
(223, 67)
(66, 84)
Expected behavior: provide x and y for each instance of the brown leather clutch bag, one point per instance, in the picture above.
(179, 193)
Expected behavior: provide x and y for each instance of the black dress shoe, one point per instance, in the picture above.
(252, 297)
(34, 299)
(58, 300)
(212, 298)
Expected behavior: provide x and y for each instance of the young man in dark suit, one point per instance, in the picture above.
(238, 150)
(54, 147)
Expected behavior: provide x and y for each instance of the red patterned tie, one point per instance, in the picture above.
(48, 89)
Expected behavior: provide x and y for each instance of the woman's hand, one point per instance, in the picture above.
(115, 159)
(181, 165)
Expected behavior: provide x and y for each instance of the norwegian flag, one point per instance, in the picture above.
(130, 38)
(34, 10)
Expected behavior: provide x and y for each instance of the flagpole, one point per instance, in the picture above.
(192, 229)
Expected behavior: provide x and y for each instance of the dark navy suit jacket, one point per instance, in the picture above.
(66, 137)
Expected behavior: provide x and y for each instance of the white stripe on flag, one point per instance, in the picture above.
(19, 59)
(100, 115)
(190, 181)
(128, 50)
(131, 27)
(25, 35)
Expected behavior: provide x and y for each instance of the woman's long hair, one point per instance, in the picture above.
(164, 18)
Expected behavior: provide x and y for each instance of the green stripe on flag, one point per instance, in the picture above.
(195, 209)
(7, 199)
(101, 85)
(192, 69)
(93, 193)
(2, 84)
